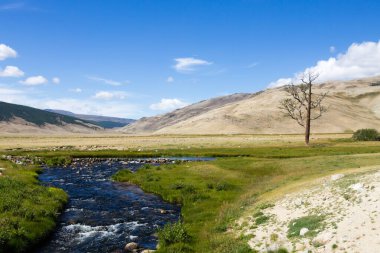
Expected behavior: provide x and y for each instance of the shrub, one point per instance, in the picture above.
(146, 167)
(366, 135)
(312, 222)
(223, 186)
(173, 233)
(122, 174)
(57, 161)
(261, 219)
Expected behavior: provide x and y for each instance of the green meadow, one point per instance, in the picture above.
(28, 211)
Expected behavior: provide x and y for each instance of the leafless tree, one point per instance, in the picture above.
(302, 105)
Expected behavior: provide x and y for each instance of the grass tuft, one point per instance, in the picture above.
(312, 222)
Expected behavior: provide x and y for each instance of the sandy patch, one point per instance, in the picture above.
(344, 209)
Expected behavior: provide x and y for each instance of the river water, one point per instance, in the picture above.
(102, 215)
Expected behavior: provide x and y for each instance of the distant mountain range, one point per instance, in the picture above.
(351, 105)
(24, 119)
(103, 121)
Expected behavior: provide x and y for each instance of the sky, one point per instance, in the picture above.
(137, 58)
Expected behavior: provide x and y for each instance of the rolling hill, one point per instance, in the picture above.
(103, 121)
(351, 105)
(23, 119)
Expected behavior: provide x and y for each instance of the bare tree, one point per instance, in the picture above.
(304, 106)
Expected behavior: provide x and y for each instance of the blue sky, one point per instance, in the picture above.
(137, 58)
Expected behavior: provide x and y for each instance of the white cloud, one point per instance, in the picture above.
(252, 65)
(34, 80)
(107, 95)
(332, 49)
(76, 90)
(11, 95)
(359, 61)
(170, 79)
(11, 6)
(56, 80)
(8, 91)
(6, 52)
(281, 82)
(11, 71)
(107, 81)
(167, 104)
(189, 64)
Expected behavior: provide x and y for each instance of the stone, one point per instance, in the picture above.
(303, 231)
(357, 187)
(336, 177)
(297, 202)
(130, 247)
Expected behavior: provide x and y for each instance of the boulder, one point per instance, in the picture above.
(357, 187)
(131, 247)
(303, 231)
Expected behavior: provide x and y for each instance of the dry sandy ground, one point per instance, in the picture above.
(121, 142)
(348, 204)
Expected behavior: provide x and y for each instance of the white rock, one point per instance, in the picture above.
(303, 231)
(336, 177)
(297, 202)
(357, 187)
(130, 247)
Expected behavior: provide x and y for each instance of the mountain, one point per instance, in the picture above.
(153, 124)
(103, 121)
(351, 105)
(23, 119)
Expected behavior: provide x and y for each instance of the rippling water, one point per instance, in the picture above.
(102, 216)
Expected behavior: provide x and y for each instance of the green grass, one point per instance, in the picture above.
(330, 148)
(28, 211)
(175, 233)
(209, 214)
(311, 222)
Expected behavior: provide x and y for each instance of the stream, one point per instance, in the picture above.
(102, 215)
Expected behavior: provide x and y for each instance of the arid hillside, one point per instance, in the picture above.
(351, 105)
(23, 119)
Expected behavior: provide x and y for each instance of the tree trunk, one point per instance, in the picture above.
(308, 117)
